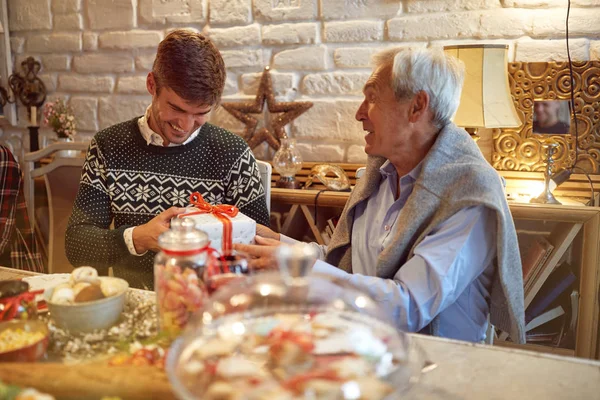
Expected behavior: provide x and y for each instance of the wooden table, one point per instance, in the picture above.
(7, 274)
(473, 371)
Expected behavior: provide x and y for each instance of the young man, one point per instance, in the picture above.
(427, 230)
(140, 173)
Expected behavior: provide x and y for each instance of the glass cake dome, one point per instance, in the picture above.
(291, 335)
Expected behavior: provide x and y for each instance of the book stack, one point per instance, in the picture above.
(550, 288)
(535, 251)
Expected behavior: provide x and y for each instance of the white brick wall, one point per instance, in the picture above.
(93, 63)
(130, 40)
(97, 53)
(336, 83)
(29, 15)
(236, 36)
(284, 84)
(66, 6)
(69, 22)
(132, 84)
(302, 58)
(111, 14)
(115, 109)
(230, 11)
(56, 62)
(300, 33)
(353, 31)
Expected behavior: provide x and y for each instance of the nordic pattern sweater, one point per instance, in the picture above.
(128, 182)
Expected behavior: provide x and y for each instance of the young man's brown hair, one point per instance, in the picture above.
(189, 64)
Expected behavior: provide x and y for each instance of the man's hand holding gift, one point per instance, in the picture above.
(145, 237)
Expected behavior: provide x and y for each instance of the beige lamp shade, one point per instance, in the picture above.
(485, 101)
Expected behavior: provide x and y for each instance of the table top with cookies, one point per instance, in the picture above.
(126, 358)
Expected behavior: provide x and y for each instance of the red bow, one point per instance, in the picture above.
(222, 212)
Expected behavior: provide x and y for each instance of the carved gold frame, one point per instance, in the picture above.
(520, 149)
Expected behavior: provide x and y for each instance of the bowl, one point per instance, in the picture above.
(29, 353)
(92, 315)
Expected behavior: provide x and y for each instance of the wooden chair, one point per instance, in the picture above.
(265, 175)
(61, 177)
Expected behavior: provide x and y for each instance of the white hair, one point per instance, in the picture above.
(432, 71)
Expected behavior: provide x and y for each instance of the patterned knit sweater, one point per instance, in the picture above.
(128, 182)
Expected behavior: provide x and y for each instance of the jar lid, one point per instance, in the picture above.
(182, 236)
(12, 288)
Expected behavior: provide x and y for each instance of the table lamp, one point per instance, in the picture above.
(486, 100)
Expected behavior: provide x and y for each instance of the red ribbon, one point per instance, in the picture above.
(11, 304)
(223, 212)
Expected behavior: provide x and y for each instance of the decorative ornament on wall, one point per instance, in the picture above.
(521, 149)
(285, 112)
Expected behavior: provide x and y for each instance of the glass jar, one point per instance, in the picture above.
(178, 274)
(287, 161)
(292, 334)
(16, 302)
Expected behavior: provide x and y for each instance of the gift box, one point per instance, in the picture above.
(243, 228)
(223, 223)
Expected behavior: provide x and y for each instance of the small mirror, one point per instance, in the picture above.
(551, 117)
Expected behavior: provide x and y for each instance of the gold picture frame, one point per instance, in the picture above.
(520, 149)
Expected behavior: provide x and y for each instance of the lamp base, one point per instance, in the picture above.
(287, 182)
(545, 198)
(473, 133)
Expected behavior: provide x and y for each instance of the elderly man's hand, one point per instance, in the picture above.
(265, 232)
(262, 254)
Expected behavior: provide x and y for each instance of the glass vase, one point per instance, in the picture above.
(66, 153)
(287, 161)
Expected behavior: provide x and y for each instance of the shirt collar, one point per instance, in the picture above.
(388, 170)
(153, 138)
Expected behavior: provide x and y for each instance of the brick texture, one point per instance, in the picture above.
(97, 53)
(301, 58)
(111, 14)
(236, 36)
(353, 31)
(29, 15)
(301, 33)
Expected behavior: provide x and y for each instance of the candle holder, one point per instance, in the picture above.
(546, 197)
(31, 91)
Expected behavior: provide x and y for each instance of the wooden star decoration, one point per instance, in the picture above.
(287, 112)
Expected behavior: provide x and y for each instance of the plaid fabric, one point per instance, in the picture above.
(16, 237)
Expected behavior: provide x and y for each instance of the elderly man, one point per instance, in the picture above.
(427, 231)
(140, 173)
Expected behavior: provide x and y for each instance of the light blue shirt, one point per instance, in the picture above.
(449, 276)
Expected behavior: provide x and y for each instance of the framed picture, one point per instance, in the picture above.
(551, 117)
